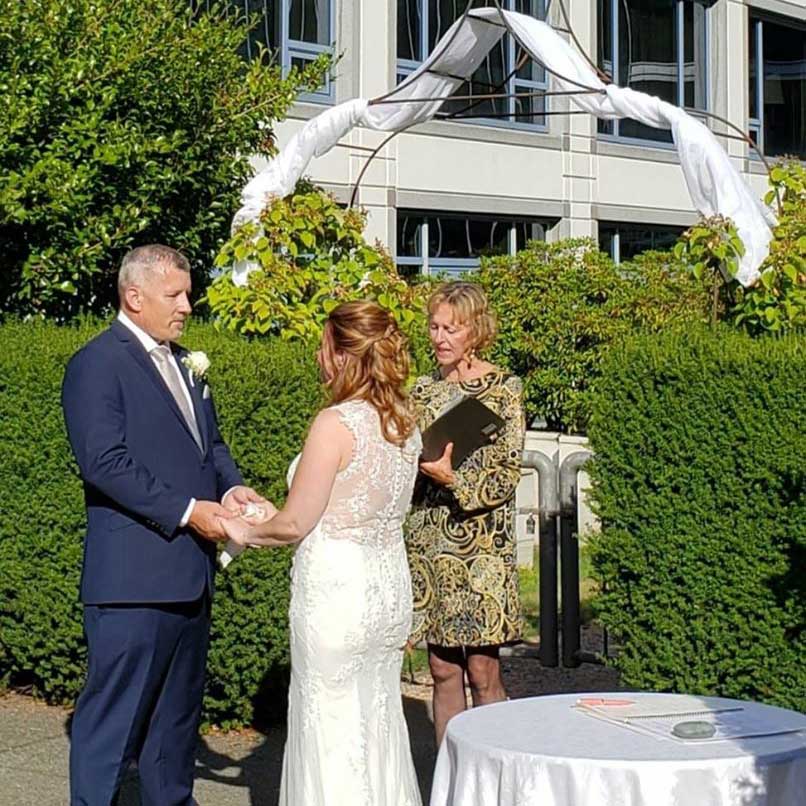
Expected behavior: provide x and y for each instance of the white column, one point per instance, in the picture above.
(728, 70)
(579, 169)
(375, 23)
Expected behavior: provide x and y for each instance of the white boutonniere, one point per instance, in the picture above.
(197, 363)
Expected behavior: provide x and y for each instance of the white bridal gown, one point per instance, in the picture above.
(350, 615)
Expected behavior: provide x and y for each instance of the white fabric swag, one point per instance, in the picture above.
(715, 186)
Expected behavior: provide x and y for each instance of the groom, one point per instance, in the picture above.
(144, 433)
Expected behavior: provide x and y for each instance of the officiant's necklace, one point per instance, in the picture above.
(467, 370)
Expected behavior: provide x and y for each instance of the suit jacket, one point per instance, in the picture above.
(141, 466)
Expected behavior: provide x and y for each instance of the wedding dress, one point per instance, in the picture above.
(350, 616)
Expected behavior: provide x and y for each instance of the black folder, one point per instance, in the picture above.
(467, 423)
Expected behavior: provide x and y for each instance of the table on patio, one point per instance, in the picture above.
(547, 751)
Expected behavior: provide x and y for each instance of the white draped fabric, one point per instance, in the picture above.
(543, 752)
(713, 182)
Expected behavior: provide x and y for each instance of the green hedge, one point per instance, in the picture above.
(560, 306)
(265, 393)
(699, 481)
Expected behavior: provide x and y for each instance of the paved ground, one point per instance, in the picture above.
(235, 769)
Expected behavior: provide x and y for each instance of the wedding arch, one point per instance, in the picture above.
(714, 184)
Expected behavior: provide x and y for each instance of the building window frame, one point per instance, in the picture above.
(615, 229)
(286, 48)
(291, 49)
(613, 12)
(405, 67)
(756, 21)
(755, 125)
(429, 265)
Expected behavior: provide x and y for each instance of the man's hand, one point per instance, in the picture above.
(440, 470)
(207, 519)
(238, 497)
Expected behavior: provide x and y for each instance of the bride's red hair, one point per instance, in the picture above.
(376, 365)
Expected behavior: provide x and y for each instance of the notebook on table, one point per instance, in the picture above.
(658, 715)
(467, 423)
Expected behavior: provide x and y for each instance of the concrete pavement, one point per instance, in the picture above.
(234, 769)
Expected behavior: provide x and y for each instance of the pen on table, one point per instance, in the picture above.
(597, 701)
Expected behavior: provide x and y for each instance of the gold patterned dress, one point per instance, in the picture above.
(460, 539)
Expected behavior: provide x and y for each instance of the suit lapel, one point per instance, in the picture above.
(141, 357)
(195, 390)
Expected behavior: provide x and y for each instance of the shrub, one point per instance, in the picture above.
(265, 393)
(123, 123)
(561, 305)
(310, 255)
(698, 477)
(777, 302)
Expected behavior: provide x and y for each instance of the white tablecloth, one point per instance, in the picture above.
(542, 752)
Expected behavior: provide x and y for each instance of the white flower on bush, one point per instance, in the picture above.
(198, 363)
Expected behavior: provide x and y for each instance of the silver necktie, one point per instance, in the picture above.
(162, 355)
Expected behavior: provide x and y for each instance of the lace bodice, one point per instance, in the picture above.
(371, 496)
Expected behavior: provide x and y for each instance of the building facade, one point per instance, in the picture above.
(444, 193)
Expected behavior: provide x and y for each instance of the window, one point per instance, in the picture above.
(298, 30)
(625, 241)
(422, 23)
(659, 47)
(453, 243)
(777, 84)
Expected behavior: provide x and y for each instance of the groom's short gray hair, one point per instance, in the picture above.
(141, 260)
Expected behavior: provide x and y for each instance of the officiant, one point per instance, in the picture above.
(460, 537)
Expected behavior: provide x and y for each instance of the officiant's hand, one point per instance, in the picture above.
(440, 470)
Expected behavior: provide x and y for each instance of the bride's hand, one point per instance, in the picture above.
(257, 513)
(237, 530)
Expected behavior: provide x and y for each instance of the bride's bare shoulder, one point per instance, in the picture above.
(329, 431)
(331, 424)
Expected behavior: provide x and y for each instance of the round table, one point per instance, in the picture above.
(542, 751)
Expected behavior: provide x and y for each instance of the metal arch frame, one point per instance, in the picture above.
(475, 99)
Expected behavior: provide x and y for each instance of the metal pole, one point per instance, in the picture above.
(548, 501)
(569, 557)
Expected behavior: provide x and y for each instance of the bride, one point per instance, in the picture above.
(351, 603)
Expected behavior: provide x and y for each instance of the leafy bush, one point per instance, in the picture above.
(265, 393)
(561, 305)
(123, 123)
(777, 302)
(699, 477)
(310, 255)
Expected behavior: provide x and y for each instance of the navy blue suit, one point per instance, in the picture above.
(146, 582)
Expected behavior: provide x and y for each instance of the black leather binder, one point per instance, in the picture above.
(467, 423)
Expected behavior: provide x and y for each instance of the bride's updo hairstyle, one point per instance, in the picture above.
(376, 364)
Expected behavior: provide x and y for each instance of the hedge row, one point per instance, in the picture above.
(561, 305)
(699, 480)
(265, 392)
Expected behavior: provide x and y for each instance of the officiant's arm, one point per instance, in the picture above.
(328, 449)
(489, 478)
(95, 427)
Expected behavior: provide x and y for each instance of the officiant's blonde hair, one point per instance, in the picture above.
(376, 365)
(470, 307)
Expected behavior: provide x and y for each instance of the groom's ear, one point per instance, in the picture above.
(134, 298)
